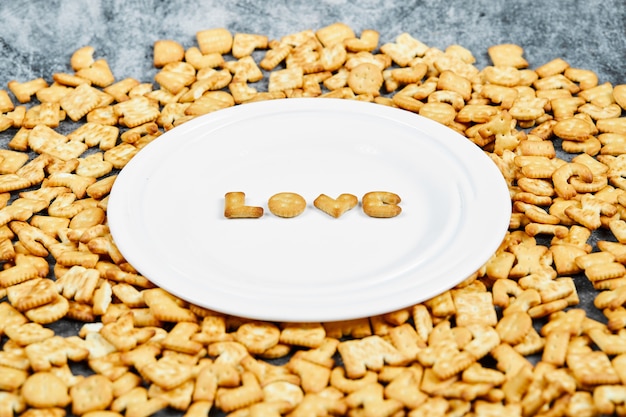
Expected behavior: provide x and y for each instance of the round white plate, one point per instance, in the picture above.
(166, 210)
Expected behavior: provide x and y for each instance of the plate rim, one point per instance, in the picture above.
(117, 197)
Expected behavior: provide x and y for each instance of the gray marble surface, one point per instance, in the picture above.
(37, 38)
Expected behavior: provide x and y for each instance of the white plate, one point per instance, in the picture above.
(166, 210)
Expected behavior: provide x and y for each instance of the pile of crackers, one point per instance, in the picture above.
(510, 340)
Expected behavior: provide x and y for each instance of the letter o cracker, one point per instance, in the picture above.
(93, 393)
(366, 78)
(286, 204)
(45, 390)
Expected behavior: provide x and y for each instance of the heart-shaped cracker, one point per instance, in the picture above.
(335, 207)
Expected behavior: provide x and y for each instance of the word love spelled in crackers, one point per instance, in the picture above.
(382, 204)
(516, 338)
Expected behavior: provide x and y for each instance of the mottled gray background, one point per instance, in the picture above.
(37, 38)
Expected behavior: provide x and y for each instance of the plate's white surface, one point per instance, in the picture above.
(166, 210)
